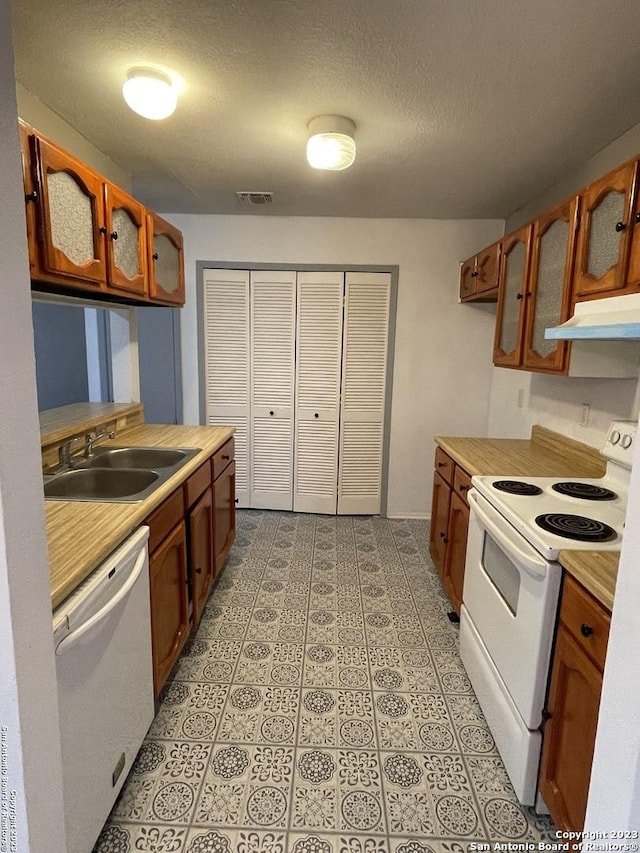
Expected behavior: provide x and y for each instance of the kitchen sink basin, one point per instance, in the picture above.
(118, 474)
(138, 457)
(102, 484)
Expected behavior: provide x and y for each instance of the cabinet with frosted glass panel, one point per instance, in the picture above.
(90, 235)
(510, 321)
(85, 234)
(608, 220)
(535, 295)
(166, 262)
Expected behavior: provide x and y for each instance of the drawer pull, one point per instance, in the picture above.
(199, 571)
(464, 488)
(225, 456)
(546, 715)
(272, 413)
(586, 630)
(441, 464)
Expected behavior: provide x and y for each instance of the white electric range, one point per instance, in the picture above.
(517, 527)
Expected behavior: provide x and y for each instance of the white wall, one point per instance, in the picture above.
(443, 349)
(557, 403)
(30, 766)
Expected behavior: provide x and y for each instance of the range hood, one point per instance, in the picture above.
(616, 318)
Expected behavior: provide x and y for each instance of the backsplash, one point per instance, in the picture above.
(558, 403)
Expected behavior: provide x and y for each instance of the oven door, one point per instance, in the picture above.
(511, 595)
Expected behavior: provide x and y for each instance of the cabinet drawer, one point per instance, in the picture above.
(444, 465)
(461, 482)
(586, 619)
(222, 457)
(197, 483)
(163, 519)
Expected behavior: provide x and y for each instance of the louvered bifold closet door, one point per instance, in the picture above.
(318, 360)
(226, 363)
(273, 330)
(364, 370)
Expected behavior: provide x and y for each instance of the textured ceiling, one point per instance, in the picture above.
(464, 108)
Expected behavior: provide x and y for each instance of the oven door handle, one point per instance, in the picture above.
(529, 560)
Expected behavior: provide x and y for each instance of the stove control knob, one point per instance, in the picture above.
(626, 441)
(615, 436)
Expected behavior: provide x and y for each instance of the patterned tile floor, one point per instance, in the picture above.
(322, 707)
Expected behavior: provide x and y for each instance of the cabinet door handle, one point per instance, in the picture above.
(546, 715)
(272, 413)
(114, 235)
(199, 570)
(620, 226)
(226, 456)
(474, 274)
(32, 196)
(441, 464)
(102, 229)
(586, 630)
(464, 488)
(636, 218)
(518, 296)
(237, 500)
(155, 256)
(316, 415)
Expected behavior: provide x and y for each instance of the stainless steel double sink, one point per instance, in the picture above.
(117, 474)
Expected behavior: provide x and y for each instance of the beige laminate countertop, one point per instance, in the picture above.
(597, 571)
(545, 454)
(81, 534)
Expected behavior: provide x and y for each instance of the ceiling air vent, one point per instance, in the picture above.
(255, 198)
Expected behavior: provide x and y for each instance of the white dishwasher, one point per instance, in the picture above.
(102, 636)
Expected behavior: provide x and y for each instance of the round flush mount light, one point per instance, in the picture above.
(331, 143)
(150, 93)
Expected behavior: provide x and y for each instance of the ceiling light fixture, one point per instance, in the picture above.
(331, 143)
(150, 93)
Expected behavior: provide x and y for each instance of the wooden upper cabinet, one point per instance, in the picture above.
(30, 194)
(71, 216)
(488, 268)
(604, 234)
(126, 240)
(548, 294)
(468, 278)
(86, 234)
(479, 276)
(633, 268)
(166, 261)
(514, 269)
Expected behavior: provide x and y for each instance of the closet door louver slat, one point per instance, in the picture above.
(273, 305)
(226, 367)
(318, 364)
(364, 368)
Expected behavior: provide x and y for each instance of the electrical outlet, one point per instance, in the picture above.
(520, 397)
(586, 411)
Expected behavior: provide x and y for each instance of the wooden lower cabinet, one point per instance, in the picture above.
(201, 563)
(224, 496)
(169, 603)
(440, 503)
(456, 550)
(191, 534)
(449, 524)
(573, 706)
